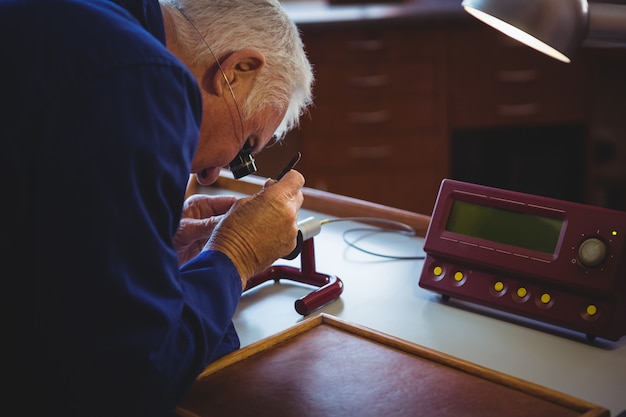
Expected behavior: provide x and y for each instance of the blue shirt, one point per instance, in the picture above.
(98, 127)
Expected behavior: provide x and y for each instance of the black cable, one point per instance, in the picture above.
(399, 228)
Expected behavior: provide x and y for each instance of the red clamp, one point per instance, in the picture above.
(330, 287)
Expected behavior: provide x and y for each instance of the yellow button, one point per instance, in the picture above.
(614, 233)
(522, 292)
(545, 298)
(498, 286)
(592, 310)
(437, 271)
(458, 276)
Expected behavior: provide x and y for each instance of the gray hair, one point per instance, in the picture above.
(230, 25)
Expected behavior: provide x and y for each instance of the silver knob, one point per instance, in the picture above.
(592, 252)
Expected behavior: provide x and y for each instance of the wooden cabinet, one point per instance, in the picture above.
(495, 81)
(376, 130)
(395, 98)
(607, 168)
(518, 119)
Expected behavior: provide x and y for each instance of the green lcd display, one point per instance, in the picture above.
(509, 227)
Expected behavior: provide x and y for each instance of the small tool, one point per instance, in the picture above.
(289, 166)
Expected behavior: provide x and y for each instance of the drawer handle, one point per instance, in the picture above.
(369, 81)
(518, 76)
(518, 110)
(369, 152)
(365, 46)
(380, 116)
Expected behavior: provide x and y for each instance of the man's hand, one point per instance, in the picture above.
(201, 213)
(261, 228)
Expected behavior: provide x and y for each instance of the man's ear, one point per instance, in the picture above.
(239, 68)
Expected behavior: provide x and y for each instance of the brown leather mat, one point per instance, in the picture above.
(325, 367)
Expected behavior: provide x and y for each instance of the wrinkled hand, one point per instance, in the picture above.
(201, 213)
(261, 228)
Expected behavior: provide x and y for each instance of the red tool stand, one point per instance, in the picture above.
(329, 286)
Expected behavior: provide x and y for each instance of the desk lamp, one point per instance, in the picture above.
(555, 27)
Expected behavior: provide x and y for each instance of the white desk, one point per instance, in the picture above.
(384, 295)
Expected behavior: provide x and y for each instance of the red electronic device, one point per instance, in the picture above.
(555, 261)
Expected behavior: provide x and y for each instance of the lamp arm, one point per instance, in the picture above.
(607, 25)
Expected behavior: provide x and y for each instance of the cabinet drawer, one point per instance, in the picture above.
(367, 45)
(375, 81)
(494, 106)
(415, 191)
(371, 117)
(384, 154)
(495, 81)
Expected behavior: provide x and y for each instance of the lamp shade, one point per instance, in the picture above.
(554, 27)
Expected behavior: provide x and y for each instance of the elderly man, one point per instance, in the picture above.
(106, 109)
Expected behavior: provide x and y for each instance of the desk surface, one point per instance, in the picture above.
(383, 294)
